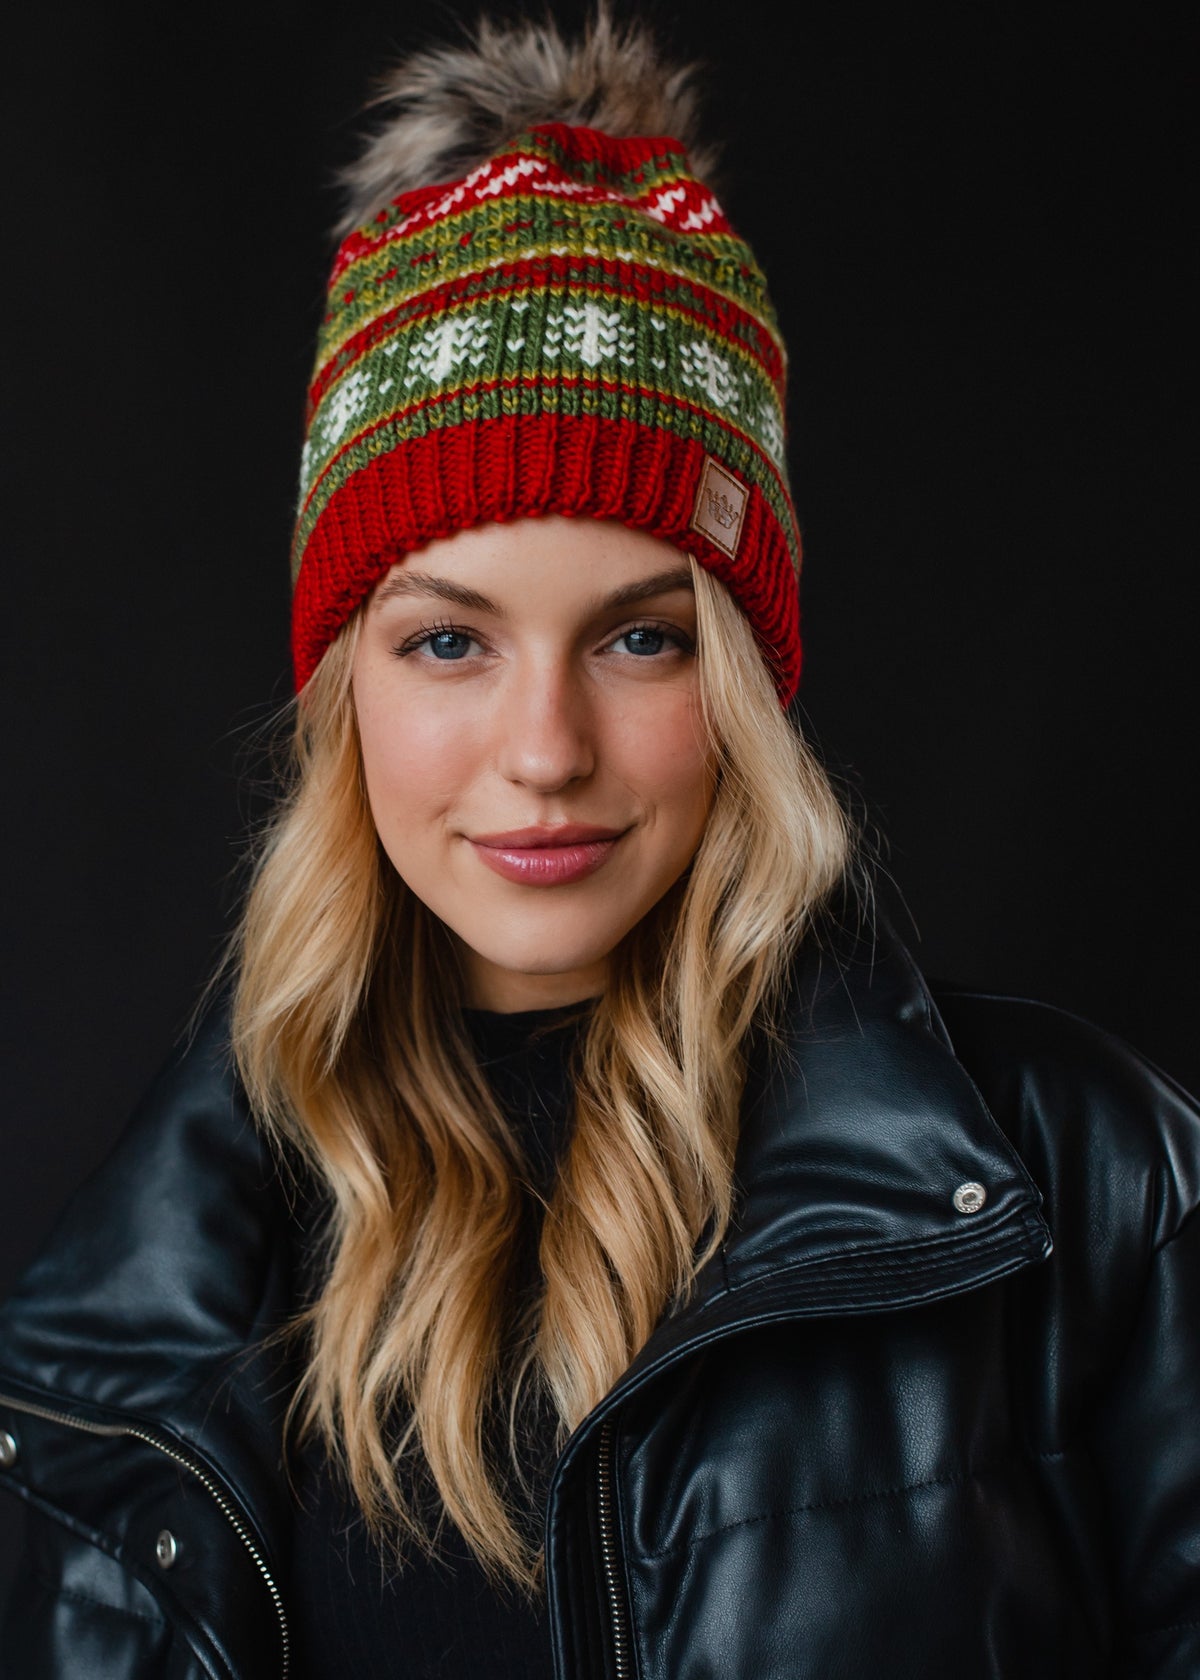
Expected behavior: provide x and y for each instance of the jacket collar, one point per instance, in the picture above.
(858, 1128)
(856, 1137)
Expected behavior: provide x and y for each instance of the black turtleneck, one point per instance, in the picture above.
(354, 1610)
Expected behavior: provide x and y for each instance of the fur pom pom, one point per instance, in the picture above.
(449, 108)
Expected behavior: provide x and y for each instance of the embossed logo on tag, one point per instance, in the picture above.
(720, 507)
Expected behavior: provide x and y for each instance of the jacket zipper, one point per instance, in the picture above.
(608, 1554)
(227, 1509)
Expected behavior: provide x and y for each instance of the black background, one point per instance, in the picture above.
(974, 223)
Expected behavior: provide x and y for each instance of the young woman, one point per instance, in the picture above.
(578, 1244)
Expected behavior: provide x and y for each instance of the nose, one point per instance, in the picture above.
(545, 728)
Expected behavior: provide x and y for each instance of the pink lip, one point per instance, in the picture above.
(547, 857)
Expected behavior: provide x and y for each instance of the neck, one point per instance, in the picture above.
(509, 992)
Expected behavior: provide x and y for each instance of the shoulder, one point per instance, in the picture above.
(1106, 1134)
(175, 1243)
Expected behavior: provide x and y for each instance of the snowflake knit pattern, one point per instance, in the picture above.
(572, 328)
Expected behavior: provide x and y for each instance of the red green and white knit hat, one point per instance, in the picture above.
(571, 328)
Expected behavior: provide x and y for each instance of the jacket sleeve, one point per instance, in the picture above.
(1146, 1440)
(140, 1387)
(1107, 1337)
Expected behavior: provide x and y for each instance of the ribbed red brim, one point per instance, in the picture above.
(524, 466)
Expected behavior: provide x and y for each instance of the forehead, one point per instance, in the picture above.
(552, 558)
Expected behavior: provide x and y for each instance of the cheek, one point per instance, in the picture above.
(668, 760)
(413, 761)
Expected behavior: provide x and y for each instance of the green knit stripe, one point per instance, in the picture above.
(548, 333)
(530, 229)
(517, 319)
(688, 304)
(476, 239)
(541, 395)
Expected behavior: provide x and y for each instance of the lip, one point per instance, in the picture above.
(548, 834)
(548, 856)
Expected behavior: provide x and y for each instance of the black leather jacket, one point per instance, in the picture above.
(887, 1436)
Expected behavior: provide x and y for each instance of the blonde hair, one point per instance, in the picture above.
(348, 1033)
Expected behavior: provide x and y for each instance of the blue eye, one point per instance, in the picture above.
(438, 641)
(643, 639)
(448, 644)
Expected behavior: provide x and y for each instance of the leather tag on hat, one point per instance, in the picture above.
(720, 507)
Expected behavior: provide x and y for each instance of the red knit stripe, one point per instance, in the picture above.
(623, 159)
(524, 466)
(362, 244)
(624, 156)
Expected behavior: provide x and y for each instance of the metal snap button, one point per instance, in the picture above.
(166, 1549)
(969, 1198)
(8, 1450)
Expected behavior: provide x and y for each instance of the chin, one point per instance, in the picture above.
(527, 948)
(540, 960)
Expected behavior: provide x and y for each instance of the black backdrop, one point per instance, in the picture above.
(974, 226)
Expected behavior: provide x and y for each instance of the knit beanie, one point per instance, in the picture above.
(569, 326)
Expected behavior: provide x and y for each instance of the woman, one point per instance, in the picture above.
(599, 1256)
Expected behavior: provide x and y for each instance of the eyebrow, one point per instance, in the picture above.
(424, 583)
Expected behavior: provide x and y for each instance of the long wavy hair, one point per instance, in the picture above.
(349, 1036)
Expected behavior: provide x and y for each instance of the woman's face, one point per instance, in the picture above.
(528, 704)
